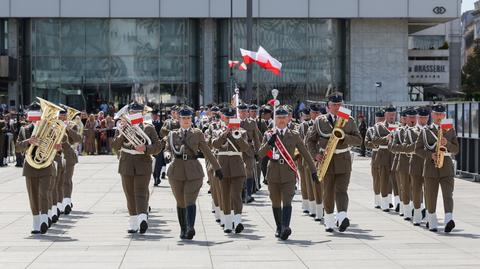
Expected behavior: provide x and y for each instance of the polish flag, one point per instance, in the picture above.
(392, 127)
(344, 113)
(231, 63)
(266, 61)
(447, 124)
(248, 56)
(234, 123)
(242, 67)
(136, 118)
(34, 116)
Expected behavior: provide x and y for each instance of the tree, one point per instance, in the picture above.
(471, 76)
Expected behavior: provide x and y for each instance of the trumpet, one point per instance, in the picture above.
(237, 133)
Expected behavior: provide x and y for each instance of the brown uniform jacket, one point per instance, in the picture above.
(396, 146)
(383, 157)
(137, 164)
(71, 137)
(232, 166)
(424, 147)
(169, 125)
(369, 145)
(253, 133)
(22, 145)
(189, 169)
(416, 162)
(281, 173)
(319, 135)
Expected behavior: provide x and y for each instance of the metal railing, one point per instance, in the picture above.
(466, 116)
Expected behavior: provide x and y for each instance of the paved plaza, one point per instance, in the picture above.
(94, 235)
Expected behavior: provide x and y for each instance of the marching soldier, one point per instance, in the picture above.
(230, 144)
(384, 158)
(371, 133)
(337, 178)
(253, 114)
(416, 165)
(253, 140)
(282, 172)
(185, 174)
(426, 148)
(306, 184)
(172, 123)
(398, 146)
(72, 137)
(397, 175)
(38, 180)
(135, 166)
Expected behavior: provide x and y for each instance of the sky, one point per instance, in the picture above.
(467, 5)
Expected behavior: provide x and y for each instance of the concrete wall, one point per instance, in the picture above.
(221, 8)
(378, 53)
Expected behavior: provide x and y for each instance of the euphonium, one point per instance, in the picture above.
(49, 132)
(133, 133)
(337, 135)
(440, 150)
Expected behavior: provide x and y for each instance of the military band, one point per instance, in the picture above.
(410, 159)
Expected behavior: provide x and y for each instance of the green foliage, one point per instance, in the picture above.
(471, 76)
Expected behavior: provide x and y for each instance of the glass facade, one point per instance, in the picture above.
(81, 62)
(312, 52)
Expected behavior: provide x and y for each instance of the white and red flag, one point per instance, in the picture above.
(34, 116)
(136, 118)
(266, 61)
(392, 127)
(446, 124)
(248, 56)
(242, 67)
(232, 64)
(234, 123)
(344, 113)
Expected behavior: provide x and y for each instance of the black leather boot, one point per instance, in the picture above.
(277, 215)
(286, 215)
(191, 212)
(182, 215)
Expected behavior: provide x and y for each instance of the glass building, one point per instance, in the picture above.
(81, 62)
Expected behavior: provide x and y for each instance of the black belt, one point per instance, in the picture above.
(185, 157)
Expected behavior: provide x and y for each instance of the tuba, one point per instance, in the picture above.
(49, 132)
(337, 135)
(133, 133)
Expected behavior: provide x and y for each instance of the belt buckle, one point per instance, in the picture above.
(185, 157)
(281, 161)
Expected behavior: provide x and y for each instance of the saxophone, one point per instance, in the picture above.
(440, 150)
(337, 135)
(49, 132)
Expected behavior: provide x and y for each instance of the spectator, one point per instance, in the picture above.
(90, 135)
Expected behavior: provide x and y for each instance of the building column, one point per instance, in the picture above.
(378, 53)
(209, 29)
(14, 85)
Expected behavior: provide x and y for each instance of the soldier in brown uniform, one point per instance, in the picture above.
(38, 180)
(434, 177)
(185, 174)
(135, 168)
(170, 124)
(397, 177)
(229, 157)
(282, 174)
(384, 157)
(398, 146)
(337, 179)
(306, 184)
(253, 139)
(72, 137)
(416, 165)
(379, 117)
